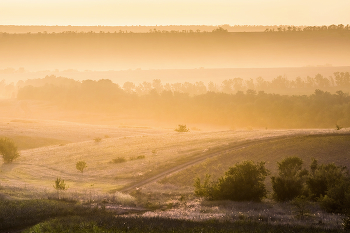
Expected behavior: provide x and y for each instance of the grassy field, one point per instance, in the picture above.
(64, 144)
(50, 149)
(324, 148)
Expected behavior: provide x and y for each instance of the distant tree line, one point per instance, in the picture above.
(153, 30)
(5, 29)
(324, 28)
(248, 108)
(278, 85)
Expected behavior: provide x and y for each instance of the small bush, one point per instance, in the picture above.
(60, 185)
(119, 160)
(81, 165)
(97, 139)
(182, 128)
(138, 157)
(301, 205)
(8, 150)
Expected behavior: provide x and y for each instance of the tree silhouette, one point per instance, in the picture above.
(8, 150)
(81, 165)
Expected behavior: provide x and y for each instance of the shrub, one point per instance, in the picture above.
(243, 182)
(324, 177)
(202, 190)
(138, 157)
(60, 185)
(182, 128)
(337, 198)
(302, 206)
(81, 165)
(290, 181)
(97, 139)
(8, 150)
(119, 160)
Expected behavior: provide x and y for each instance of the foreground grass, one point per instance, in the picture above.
(58, 216)
(107, 223)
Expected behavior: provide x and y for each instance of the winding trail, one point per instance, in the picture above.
(209, 154)
(218, 151)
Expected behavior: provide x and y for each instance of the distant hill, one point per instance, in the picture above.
(136, 28)
(122, 51)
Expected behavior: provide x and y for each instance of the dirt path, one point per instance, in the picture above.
(209, 154)
(218, 151)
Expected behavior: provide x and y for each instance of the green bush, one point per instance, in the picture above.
(182, 128)
(97, 139)
(290, 181)
(60, 185)
(81, 165)
(8, 150)
(323, 177)
(138, 157)
(243, 182)
(337, 198)
(119, 160)
(302, 206)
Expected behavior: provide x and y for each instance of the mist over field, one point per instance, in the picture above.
(175, 128)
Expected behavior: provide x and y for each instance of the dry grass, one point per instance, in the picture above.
(33, 174)
(329, 149)
(267, 212)
(40, 166)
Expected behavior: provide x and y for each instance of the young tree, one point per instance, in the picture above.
(290, 181)
(8, 150)
(60, 185)
(81, 165)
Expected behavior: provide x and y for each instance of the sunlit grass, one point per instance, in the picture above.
(326, 149)
(161, 148)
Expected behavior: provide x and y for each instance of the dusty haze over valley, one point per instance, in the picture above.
(174, 116)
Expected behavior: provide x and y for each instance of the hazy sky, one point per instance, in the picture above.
(171, 12)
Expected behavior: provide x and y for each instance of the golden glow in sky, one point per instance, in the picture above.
(170, 12)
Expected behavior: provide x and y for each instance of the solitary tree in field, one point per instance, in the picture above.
(182, 128)
(81, 165)
(8, 150)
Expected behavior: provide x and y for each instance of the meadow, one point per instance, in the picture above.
(123, 158)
